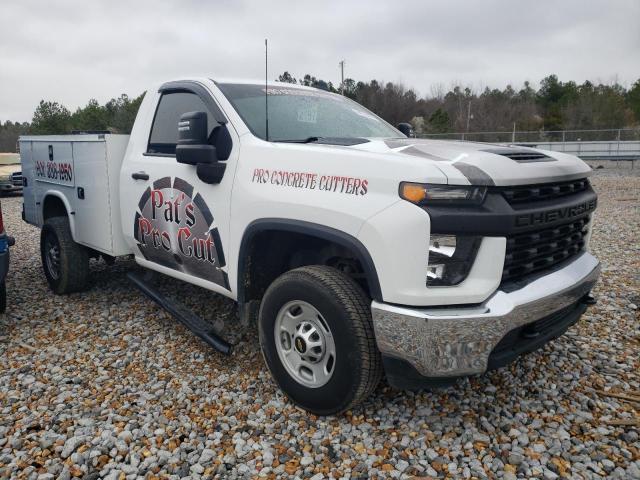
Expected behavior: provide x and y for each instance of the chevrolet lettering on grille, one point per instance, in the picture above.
(550, 216)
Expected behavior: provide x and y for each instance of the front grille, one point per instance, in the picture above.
(16, 179)
(531, 252)
(546, 191)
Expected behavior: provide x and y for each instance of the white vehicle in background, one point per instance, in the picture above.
(10, 173)
(358, 250)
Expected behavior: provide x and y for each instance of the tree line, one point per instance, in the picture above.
(555, 105)
(52, 118)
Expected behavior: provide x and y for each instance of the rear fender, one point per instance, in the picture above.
(58, 195)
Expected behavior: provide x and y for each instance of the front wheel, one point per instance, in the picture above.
(317, 339)
(65, 263)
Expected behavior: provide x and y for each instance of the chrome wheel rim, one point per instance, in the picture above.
(52, 256)
(305, 344)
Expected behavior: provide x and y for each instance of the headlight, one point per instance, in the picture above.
(450, 259)
(5, 178)
(430, 194)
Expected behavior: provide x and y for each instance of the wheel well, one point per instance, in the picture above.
(268, 253)
(53, 207)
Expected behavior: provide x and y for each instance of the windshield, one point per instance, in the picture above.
(297, 114)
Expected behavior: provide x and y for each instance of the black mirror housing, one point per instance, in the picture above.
(211, 173)
(193, 128)
(193, 147)
(196, 154)
(406, 129)
(223, 142)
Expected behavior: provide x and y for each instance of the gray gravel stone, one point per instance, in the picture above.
(516, 458)
(70, 445)
(402, 465)
(549, 475)
(633, 471)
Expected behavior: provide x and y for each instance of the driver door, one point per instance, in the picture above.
(176, 223)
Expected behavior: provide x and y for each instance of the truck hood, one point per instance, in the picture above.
(9, 169)
(465, 163)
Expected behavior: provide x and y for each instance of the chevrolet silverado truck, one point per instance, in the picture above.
(358, 251)
(10, 175)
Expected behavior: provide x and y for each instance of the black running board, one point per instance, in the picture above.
(190, 320)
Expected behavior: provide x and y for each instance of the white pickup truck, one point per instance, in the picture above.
(358, 250)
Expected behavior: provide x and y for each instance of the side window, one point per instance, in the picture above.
(164, 131)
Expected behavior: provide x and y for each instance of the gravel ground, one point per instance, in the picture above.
(105, 384)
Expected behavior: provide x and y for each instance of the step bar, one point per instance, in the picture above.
(190, 320)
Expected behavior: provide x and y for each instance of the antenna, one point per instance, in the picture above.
(266, 87)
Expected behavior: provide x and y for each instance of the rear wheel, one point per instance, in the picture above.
(65, 263)
(317, 339)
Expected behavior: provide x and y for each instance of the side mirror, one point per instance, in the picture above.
(193, 147)
(407, 129)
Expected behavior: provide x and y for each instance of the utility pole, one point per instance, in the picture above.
(469, 117)
(341, 77)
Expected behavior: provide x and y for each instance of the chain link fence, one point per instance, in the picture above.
(603, 146)
(542, 136)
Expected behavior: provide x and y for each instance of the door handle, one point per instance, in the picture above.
(140, 176)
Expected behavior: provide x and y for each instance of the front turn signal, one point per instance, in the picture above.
(413, 192)
(431, 194)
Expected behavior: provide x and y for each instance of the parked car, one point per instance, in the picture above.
(357, 249)
(10, 173)
(5, 242)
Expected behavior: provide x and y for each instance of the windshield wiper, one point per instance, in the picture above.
(342, 141)
(301, 140)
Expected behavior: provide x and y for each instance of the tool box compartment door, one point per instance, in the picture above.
(91, 196)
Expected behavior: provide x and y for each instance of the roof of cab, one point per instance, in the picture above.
(274, 83)
(242, 81)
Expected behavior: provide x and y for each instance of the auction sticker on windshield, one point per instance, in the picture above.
(308, 111)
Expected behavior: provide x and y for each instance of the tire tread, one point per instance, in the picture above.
(353, 298)
(74, 258)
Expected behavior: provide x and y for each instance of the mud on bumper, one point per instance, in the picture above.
(424, 347)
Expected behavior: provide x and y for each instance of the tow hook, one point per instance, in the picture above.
(589, 299)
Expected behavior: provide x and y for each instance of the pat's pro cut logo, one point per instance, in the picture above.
(175, 228)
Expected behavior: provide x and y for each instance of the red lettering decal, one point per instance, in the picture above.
(144, 229)
(157, 199)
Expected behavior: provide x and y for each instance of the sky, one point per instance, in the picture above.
(73, 50)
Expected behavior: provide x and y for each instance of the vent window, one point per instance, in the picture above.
(521, 156)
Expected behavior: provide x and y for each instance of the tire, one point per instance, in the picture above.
(340, 315)
(3, 297)
(71, 270)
